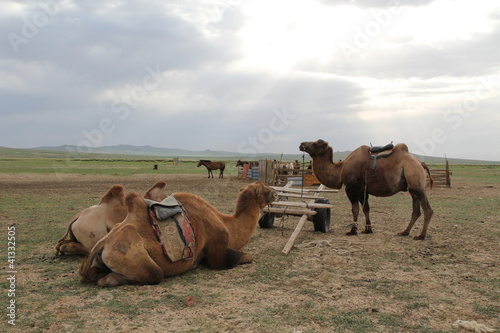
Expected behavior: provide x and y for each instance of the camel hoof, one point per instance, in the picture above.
(352, 233)
(246, 258)
(367, 231)
(419, 237)
(403, 234)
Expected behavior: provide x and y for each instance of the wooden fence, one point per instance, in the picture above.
(441, 177)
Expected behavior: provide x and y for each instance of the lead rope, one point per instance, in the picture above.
(302, 185)
(303, 173)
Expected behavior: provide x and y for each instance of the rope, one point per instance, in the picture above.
(303, 173)
(328, 243)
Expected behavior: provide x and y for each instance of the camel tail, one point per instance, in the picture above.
(69, 232)
(431, 181)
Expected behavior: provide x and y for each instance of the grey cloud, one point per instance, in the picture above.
(376, 3)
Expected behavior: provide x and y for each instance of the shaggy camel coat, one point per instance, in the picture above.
(93, 223)
(399, 171)
(131, 254)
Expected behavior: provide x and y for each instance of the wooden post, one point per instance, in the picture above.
(448, 179)
(263, 170)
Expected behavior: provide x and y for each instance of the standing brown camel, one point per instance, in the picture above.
(213, 166)
(397, 171)
(131, 253)
(93, 223)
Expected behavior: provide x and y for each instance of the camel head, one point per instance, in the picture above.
(262, 193)
(316, 148)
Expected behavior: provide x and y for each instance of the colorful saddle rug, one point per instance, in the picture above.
(172, 228)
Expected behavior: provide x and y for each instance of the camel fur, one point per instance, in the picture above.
(399, 171)
(131, 254)
(93, 223)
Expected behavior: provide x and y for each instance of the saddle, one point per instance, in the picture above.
(172, 228)
(373, 153)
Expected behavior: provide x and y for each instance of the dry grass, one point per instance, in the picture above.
(366, 283)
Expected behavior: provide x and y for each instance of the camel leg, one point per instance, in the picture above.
(415, 213)
(353, 196)
(71, 248)
(129, 261)
(141, 270)
(428, 212)
(220, 257)
(366, 211)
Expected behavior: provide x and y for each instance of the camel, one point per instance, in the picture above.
(395, 172)
(131, 253)
(93, 223)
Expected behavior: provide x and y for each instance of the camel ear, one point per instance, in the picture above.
(116, 192)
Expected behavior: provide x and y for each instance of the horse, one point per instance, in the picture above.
(213, 166)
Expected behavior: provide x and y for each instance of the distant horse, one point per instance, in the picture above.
(213, 166)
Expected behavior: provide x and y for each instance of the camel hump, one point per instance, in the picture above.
(402, 147)
(116, 192)
(135, 202)
(157, 191)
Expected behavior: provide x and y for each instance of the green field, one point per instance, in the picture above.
(129, 166)
(365, 283)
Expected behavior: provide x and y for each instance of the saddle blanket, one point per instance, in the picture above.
(172, 228)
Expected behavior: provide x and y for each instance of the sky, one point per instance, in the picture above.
(252, 76)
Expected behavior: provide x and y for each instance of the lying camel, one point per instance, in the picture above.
(93, 223)
(131, 253)
(361, 175)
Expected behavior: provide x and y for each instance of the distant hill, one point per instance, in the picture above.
(130, 151)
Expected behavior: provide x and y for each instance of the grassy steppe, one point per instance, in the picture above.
(366, 283)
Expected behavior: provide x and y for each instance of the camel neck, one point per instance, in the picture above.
(327, 172)
(244, 221)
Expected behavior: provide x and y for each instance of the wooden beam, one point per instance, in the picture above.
(306, 190)
(297, 195)
(291, 211)
(310, 204)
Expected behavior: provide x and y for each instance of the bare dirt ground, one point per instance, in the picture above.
(365, 283)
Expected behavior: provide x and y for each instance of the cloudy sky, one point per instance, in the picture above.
(252, 76)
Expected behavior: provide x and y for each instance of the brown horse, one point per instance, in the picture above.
(213, 166)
